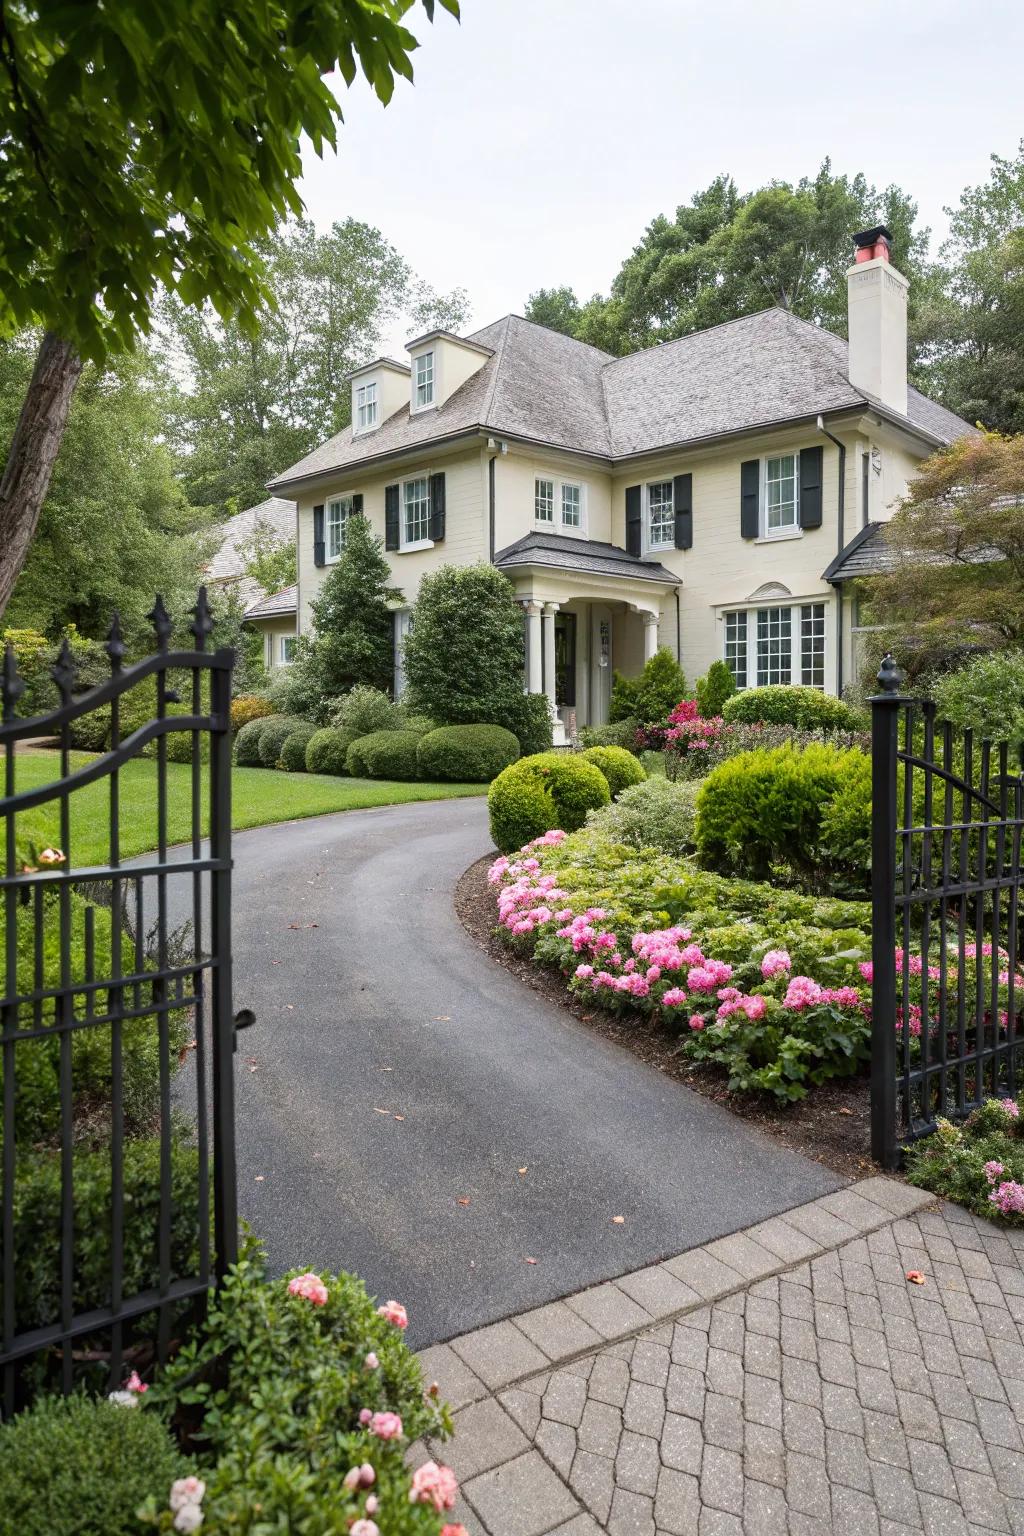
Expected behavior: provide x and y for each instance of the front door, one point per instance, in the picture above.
(565, 659)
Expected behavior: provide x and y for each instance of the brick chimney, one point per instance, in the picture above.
(877, 300)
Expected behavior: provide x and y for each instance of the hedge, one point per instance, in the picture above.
(620, 733)
(466, 754)
(619, 767)
(273, 737)
(293, 752)
(806, 709)
(247, 742)
(384, 755)
(327, 750)
(249, 707)
(542, 792)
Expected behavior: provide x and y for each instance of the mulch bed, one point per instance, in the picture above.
(832, 1125)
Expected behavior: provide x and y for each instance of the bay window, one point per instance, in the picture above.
(776, 644)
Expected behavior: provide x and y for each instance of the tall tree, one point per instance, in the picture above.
(353, 623)
(256, 400)
(150, 146)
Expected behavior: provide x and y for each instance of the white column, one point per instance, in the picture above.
(550, 609)
(533, 646)
(651, 621)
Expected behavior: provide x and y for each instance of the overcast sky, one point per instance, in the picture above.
(542, 136)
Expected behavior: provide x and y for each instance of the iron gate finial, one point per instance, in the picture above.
(889, 677)
(115, 646)
(161, 622)
(202, 622)
(63, 670)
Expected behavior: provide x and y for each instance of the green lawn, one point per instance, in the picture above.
(258, 796)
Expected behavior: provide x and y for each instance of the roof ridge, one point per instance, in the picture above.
(499, 357)
(705, 330)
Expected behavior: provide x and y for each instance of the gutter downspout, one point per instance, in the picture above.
(679, 630)
(841, 511)
(490, 503)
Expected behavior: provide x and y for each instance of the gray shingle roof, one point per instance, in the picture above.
(227, 565)
(867, 554)
(568, 554)
(548, 388)
(277, 605)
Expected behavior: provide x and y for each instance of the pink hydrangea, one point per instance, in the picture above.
(370, 1363)
(993, 1170)
(310, 1287)
(675, 997)
(697, 1021)
(386, 1426)
(1011, 1107)
(186, 1490)
(802, 993)
(583, 971)
(395, 1313)
(359, 1477)
(136, 1384)
(434, 1484)
(775, 962)
(363, 1527)
(1009, 1198)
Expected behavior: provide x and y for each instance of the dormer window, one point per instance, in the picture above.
(366, 407)
(423, 381)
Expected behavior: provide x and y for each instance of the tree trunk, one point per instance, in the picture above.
(37, 437)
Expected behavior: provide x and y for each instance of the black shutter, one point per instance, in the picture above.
(392, 532)
(750, 498)
(682, 503)
(634, 520)
(318, 536)
(357, 504)
(810, 487)
(437, 508)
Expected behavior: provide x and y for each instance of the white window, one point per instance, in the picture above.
(423, 381)
(287, 650)
(338, 513)
(572, 506)
(764, 646)
(544, 501)
(403, 626)
(416, 511)
(661, 517)
(812, 645)
(774, 646)
(736, 646)
(781, 499)
(366, 407)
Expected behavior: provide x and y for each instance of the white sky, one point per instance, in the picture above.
(542, 136)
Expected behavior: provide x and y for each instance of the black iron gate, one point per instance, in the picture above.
(117, 1032)
(947, 987)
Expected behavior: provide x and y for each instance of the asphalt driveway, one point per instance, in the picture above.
(408, 1110)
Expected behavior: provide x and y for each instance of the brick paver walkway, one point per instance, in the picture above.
(788, 1381)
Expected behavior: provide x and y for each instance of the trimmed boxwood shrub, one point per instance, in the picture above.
(273, 737)
(327, 751)
(806, 709)
(247, 742)
(619, 767)
(293, 752)
(539, 793)
(621, 733)
(83, 1465)
(248, 707)
(466, 754)
(384, 755)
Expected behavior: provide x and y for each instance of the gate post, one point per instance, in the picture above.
(885, 724)
(225, 1192)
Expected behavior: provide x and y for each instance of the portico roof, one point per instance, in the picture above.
(587, 556)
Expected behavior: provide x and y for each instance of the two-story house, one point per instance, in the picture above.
(705, 494)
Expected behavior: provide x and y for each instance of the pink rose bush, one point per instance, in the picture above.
(435, 1485)
(394, 1313)
(309, 1286)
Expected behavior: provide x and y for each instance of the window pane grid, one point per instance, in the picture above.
(366, 406)
(774, 646)
(544, 501)
(736, 646)
(812, 645)
(425, 379)
(661, 514)
(417, 510)
(780, 492)
(338, 513)
(571, 507)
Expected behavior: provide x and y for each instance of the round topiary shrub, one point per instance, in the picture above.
(805, 709)
(293, 751)
(536, 794)
(78, 1464)
(248, 707)
(327, 750)
(466, 754)
(273, 737)
(619, 767)
(247, 743)
(384, 755)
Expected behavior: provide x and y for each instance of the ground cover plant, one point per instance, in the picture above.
(656, 813)
(979, 1164)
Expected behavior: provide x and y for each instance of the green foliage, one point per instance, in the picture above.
(248, 707)
(528, 717)
(620, 733)
(293, 750)
(463, 656)
(952, 1162)
(276, 1385)
(654, 814)
(541, 792)
(805, 709)
(84, 1466)
(273, 736)
(715, 689)
(466, 754)
(384, 755)
(986, 696)
(294, 691)
(652, 695)
(353, 623)
(247, 742)
(327, 751)
(769, 810)
(36, 655)
(620, 768)
(367, 709)
(268, 562)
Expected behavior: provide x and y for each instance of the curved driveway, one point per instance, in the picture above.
(370, 996)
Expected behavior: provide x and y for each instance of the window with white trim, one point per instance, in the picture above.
(336, 526)
(544, 501)
(781, 499)
(572, 506)
(366, 407)
(661, 517)
(287, 650)
(423, 381)
(777, 644)
(415, 511)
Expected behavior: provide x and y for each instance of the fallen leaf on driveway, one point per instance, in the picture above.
(399, 1117)
(618, 1220)
(531, 1261)
(845, 1111)
(294, 925)
(277, 962)
(442, 1018)
(463, 1200)
(522, 1170)
(915, 1277)
(260, 1177)
(381, 1111)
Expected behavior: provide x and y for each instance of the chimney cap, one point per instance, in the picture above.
(869, 237)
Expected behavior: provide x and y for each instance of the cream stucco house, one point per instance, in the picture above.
(705, 495)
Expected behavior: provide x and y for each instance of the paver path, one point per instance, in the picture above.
(370, 996)
(806, 1389)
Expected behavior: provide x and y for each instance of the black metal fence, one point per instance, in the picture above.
(117, 1032)
(947, 986)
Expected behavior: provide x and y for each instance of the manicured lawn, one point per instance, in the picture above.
(258, 796)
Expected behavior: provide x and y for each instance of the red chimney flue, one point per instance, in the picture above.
(873, 244)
